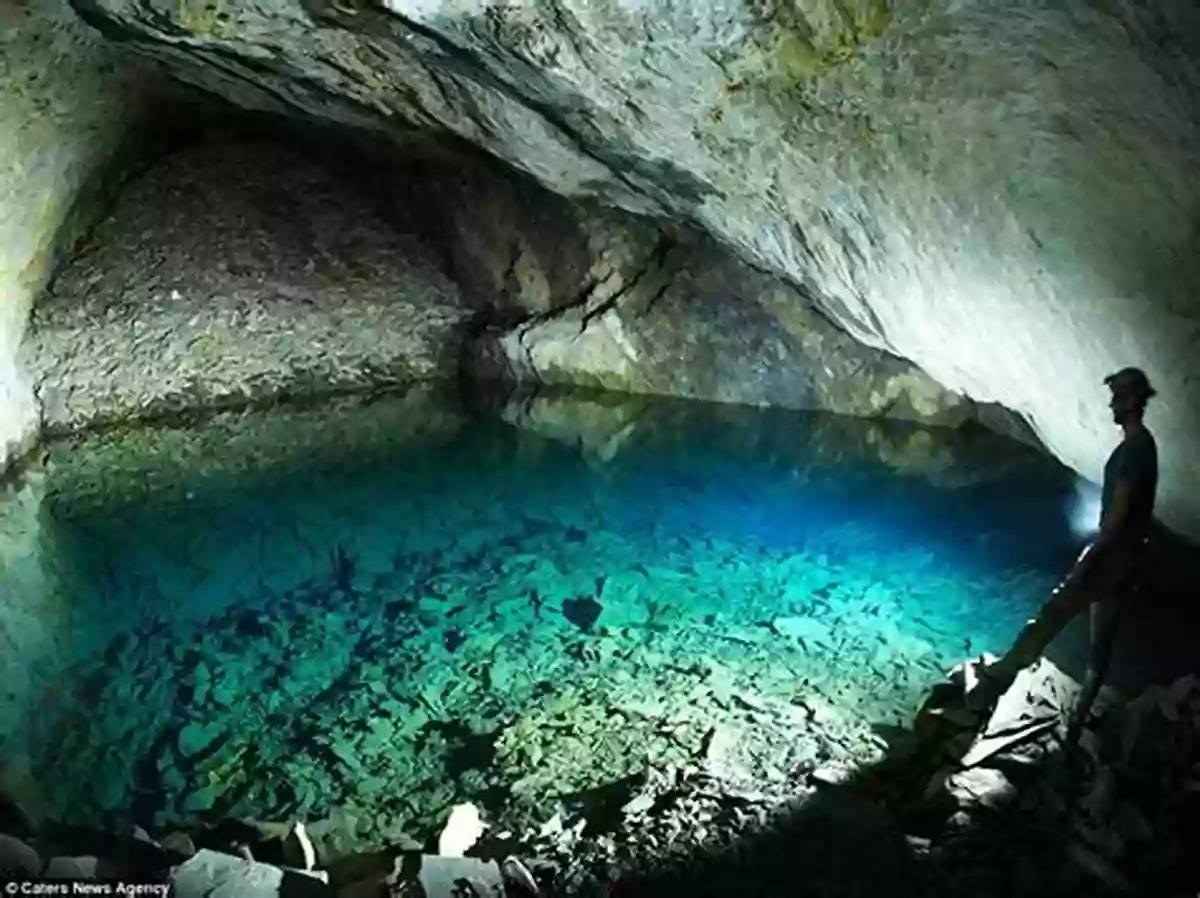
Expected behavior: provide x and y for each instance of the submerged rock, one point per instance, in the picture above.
(195, 737)
(583, 613)
(803, 628)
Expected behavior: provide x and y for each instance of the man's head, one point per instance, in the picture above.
(1131, 391)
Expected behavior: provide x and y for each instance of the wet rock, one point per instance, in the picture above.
(17, 859)
(196, 737)
(980, 787)
(832, 774)
(518, 878)
(210, 874)
(77, 868)
(450, 877)
(180, 843)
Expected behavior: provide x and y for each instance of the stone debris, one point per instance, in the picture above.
(980, 787)
(1126, 827)
(519, 879)
(1119, 800)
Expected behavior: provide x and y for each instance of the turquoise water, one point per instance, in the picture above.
(383, 609)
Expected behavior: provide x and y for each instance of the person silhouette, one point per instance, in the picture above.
(1108, 571)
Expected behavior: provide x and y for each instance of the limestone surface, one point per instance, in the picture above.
(65, 106)
(236, 272)
(1003, 194)
(240, 270)
(576, 294)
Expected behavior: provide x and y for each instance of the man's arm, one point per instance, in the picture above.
(1122, 501)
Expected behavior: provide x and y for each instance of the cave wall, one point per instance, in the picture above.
(1003, 193)
(266, 275)
(576, 294)
(289, 259)
(68, 107)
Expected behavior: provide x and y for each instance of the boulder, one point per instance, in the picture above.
(980, 787)
(449, 877)
(210, 874)
(18, 859)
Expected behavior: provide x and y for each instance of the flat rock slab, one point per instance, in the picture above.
(210, 874)
(457, 877)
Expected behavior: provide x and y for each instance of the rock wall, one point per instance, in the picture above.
(574, 294)
(1002, 193)
(238, 271)
(67, 105)
(261, 260)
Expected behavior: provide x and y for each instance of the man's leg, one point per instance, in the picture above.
(1063, 606)
(1103, 624)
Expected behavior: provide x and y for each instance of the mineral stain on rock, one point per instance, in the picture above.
(583, 613)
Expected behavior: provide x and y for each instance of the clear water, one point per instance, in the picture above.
(384, 607)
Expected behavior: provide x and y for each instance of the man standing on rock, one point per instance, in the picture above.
(1107, 572)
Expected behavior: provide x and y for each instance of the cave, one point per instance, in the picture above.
(437, 450)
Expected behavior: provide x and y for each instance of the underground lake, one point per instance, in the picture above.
(383, 607)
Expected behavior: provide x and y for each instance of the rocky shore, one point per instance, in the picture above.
(1016, 814)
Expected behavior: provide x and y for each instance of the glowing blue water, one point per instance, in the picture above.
(233, 624)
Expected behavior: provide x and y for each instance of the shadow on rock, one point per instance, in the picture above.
(1011, 811)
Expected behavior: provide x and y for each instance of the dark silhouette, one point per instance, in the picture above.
(1109, 570)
